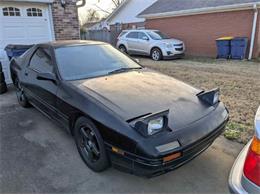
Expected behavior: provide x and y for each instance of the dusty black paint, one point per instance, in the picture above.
(111, 101)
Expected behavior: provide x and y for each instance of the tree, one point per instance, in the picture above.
(117, 2)
(90, 16)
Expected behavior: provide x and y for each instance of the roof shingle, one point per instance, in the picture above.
(163, 6)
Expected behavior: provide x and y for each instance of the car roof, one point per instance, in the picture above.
(70, 43)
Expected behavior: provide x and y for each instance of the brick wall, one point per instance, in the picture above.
(65, 20)
(199, 32)
(258, 36)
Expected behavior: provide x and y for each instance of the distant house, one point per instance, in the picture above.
(125, 16)
(98, 25)
(90, 25)
(200, 22)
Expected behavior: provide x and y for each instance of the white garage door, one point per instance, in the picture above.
(22, 24)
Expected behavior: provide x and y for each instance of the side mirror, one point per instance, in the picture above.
(145, 38)
(46, 77)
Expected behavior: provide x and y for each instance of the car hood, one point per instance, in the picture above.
(173, 41)
(137, 93)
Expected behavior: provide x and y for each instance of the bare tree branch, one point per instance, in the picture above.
(117, 2)
(101, 9)
(91, 16)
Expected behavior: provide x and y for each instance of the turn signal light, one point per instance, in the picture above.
(255, 146)
(117, 150)
(252, 163)
(171, 157)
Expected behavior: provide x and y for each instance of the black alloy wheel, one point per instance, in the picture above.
(90, 145)
(20, 94)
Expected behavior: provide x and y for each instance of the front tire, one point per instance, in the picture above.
(156, 54)
(90, 145)
(20, 94)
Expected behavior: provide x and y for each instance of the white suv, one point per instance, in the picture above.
(150, 43)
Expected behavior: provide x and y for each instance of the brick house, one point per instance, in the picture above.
(200, 22)
(65, 20)
(34, 21)
(125, 15)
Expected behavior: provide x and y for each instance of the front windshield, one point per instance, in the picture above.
(86, 61)
(157, 35)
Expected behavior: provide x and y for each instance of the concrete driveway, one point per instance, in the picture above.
(37, 156)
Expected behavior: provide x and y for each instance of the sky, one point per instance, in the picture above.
(90, 4)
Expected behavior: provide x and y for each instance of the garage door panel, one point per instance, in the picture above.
(37, 31)
(22, 29)
(12, 33)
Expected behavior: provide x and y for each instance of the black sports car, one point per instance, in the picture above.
(119, 112)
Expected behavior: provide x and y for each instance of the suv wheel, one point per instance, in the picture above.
(123, 49)
(156, 54)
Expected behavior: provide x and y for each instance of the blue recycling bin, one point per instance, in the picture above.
(239, 48)
(224, 47)
(16, 50)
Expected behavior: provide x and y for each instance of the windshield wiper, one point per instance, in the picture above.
(123, 70)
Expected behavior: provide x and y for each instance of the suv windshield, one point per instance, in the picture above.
(86, 61)
(157, 35)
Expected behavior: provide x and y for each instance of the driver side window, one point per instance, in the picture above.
(41, 61)
(142, 36)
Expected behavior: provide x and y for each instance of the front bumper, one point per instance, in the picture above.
(138, 165)
(174, 53)
(238, 183)
(175, 56)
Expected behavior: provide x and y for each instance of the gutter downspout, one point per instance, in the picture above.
(253, 32)
(82, 4)
(51, 22)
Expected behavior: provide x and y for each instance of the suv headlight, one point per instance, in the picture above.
(168, 45)
(152, 124)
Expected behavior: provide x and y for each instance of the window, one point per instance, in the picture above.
(34, 12)
(41, 61)
(157, 35)
(86, 61)
(132, 35)
(122, 33)
(141, 35)
(11, 11)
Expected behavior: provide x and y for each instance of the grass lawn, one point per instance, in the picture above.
(239, 82)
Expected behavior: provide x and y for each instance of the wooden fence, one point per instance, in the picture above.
(101, 35)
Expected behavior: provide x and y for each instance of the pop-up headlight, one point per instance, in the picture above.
(152, 124)
(211, 97)
(155, 125)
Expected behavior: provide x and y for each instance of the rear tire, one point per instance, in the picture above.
(123, 49)
(156, 54)
(90, 145)
(20, 94)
